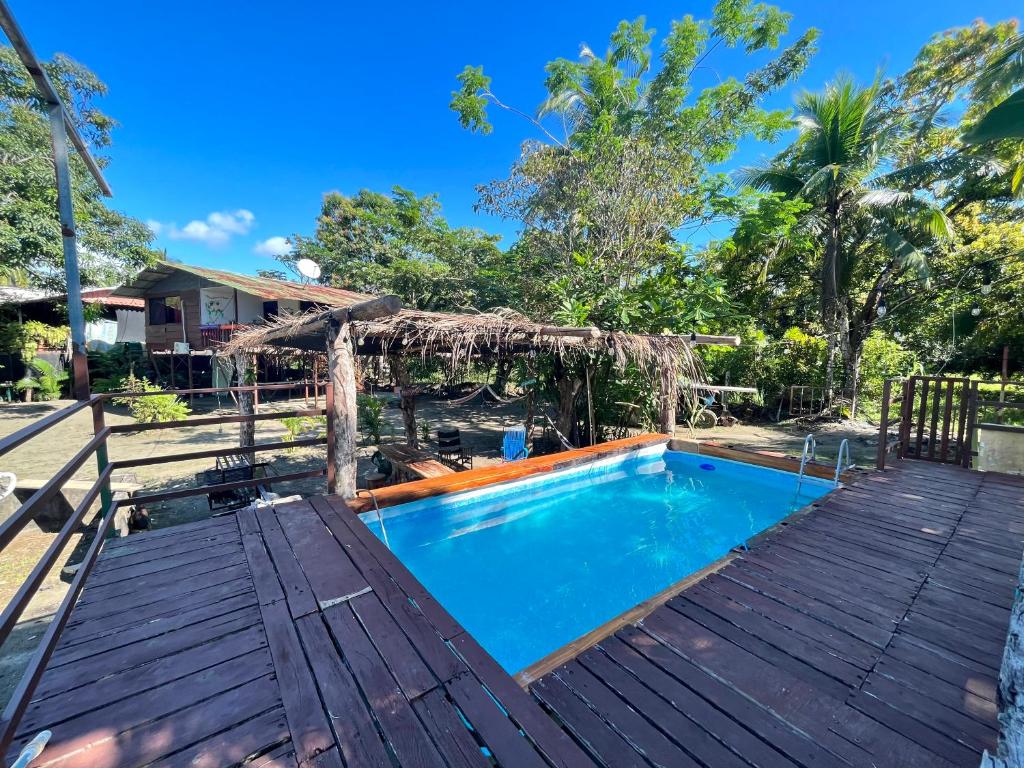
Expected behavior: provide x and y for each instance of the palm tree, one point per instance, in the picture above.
(863, 222)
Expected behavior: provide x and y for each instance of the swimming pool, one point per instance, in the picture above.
(531, 565)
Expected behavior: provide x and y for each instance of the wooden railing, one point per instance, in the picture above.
(938, 417)
(101, 489)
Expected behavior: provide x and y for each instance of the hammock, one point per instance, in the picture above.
(481, 388)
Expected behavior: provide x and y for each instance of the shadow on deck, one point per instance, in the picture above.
(867, 632)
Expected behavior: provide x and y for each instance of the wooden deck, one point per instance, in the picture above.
(286, 639)
(867, 632)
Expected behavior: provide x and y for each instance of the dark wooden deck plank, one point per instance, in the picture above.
(905, 577)
(400, 725)
(633, 727)
(310, 729)
(353, 726)
(865, 632)
(298, 593)
(329, 571)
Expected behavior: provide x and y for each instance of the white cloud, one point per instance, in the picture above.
(273, 246)
(215, 230)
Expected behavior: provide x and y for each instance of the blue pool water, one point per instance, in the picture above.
(529, 566)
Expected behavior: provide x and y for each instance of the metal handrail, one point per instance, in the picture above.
(812, 444)
(844, 447)
(376, 508)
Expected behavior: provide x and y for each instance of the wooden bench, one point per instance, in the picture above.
(412, 463)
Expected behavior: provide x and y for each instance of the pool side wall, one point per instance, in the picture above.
(469, 479)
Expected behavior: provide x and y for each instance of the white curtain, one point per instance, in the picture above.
(131, 326)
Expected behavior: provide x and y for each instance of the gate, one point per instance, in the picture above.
(937, 417)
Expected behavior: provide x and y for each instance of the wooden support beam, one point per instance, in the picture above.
(246, 405)
(341, 367)
(669, 399)
(373, 309)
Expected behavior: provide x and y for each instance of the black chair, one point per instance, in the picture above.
(450, 450)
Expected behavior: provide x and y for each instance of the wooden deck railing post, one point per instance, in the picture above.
(102, 459)
(332, 472)
(883, 425)
(906, 414)
(972, 416)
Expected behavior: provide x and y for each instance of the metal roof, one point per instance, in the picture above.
(11, 295)
(265, 288)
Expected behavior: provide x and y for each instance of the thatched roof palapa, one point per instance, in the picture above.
(464, 336)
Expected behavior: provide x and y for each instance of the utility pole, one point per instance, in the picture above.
(61, 129)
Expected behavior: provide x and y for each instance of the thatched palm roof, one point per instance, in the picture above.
(464, 336)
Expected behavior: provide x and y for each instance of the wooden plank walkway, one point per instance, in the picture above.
(287, 638)
(867, 632)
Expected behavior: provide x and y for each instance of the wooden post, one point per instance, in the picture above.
(591, 427)
(972, 417)
(669, 391)
(332, 470)
(407, 399)
(342, 408)
(246, 405)
(883, 426)
(191, 397)
(316, 382)
(102, 459)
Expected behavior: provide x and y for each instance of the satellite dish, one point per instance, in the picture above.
(308, 268)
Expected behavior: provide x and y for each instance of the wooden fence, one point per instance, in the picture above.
(100, 489)
(936, 418)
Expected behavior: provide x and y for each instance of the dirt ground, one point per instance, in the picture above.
(480, 423)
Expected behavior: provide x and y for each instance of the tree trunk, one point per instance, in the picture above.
(669, 399)
(829, 297)
(246, 406)
(501, 375)
(341, 368)
(406, 399)
(568, 388)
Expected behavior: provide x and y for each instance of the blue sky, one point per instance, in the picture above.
(237, 117)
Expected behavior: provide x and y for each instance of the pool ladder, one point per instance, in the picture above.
(808, 457)
(380, 518)
(844, 448)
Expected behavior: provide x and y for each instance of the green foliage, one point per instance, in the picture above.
(602, 204)
(398, 243)
(107, 368)
(26, 338)
(46, 382)
(370, 411)
(300, 425)
(152, 408)
(111, 244)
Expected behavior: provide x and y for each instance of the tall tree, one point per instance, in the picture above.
(870, 231)
(398, 243)
(627, 156)
(111, 245)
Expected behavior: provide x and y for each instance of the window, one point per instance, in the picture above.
(165, 310)
(269, 309)
(305, 306)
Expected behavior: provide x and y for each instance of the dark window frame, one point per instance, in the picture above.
(160, 313)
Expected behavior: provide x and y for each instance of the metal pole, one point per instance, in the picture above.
(76, 318)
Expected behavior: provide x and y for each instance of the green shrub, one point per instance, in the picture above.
(45, 381)
(26, 338)
(371, 417)
(153, 408)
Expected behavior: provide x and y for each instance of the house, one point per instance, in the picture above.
(112, 319)
(201, 307)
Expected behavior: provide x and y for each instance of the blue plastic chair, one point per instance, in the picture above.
(513, 444)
